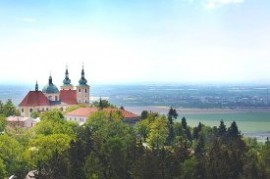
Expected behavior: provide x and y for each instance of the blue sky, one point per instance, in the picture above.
(130, 41)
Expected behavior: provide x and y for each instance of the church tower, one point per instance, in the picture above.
(83, 90)
(67, 82)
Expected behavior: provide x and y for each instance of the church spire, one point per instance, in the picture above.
(66, 81)
(82, 81)
(50, 80)
(36, 86)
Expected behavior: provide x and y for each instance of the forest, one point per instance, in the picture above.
(105, 147)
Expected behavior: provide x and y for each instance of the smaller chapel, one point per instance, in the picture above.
(50, 97)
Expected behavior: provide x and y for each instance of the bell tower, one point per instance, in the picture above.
(83, 90)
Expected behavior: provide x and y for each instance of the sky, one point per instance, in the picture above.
(135, 41)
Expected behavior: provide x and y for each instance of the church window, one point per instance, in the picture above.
(85, 90)
(56, 98)
(79, 90)
(31, 110)
(22, 110)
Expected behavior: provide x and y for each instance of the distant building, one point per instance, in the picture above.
(80, 115)
(19, 121)
(50, 97)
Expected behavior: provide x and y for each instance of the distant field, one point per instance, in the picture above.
(253, 123)
(247, 122)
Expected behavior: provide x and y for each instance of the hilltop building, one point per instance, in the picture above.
(80, 115)
(51, 97)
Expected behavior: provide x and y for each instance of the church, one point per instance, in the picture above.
(51, 97)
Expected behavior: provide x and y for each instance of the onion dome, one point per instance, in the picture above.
(50, 87)
(82, 81)
(67, 81)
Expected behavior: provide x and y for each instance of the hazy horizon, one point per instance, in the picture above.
(137, 41)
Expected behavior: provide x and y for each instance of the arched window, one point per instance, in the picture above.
(31, 110)
(22, 110)
(85, 90)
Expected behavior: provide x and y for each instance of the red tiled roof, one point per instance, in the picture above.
(68, 96)
(35, 98)
(82, 112)
(128, 114)
(85, 112)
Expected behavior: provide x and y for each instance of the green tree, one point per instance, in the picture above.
(11, 155)
(111, 149)
(3, 172)
(172, 114)
(158, 133)
(264, 159)
(184, 123)
(3, 123)
(48, 155)
(144, 114)
(52, 122)
(188, 168)
(102, 103)
(222, 130)
(197, 130)
(35, 114)
(142, 128)
(233, 130)
(9, 109)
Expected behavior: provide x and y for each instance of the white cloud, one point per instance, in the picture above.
(212, 4)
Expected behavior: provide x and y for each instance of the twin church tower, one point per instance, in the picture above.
(50, 97)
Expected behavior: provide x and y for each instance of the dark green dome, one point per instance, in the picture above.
(50, 87)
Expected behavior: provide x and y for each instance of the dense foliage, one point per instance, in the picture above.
(8, 109)
(157, 147)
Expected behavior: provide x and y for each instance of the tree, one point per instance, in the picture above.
(48, 155)
(142, 128)
(52, 122)
(184, 123)
(186, 129)
(3, 123)
(172, 114)
(222, 130)
(233, 130)
(158, 133)
(112, 142)
(35, 114)
(9, 109)
(10, 155)
(102, 103)
(144, 114)
(3, 172)
(52, 115)
(197, 130)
